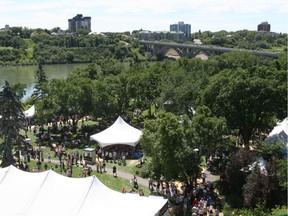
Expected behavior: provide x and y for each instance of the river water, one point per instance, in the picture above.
(26, 74)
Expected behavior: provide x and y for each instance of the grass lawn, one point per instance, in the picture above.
(130, 167)
(114, 183)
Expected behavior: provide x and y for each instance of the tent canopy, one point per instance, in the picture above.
(279, 132)
(118, 133)
(30, 112)
(48, 193)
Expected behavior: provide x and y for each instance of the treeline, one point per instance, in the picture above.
(244, 39)
(22, 46)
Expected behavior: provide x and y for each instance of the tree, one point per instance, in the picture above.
(70, 98)
(170, 149)
(167, 134)
(255, 191)
(11, 122)
(41, 81)
(265, 185)
(248, 99)
(209, 131)
(104, 99)
(181, 85)
(236, 173)
(143, 87)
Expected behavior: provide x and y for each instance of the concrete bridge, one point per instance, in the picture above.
(190, 51)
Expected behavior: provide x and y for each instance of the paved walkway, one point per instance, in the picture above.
(124, 175)
(141, 181)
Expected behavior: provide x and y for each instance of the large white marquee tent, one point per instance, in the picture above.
(48, 193)
(118, 133)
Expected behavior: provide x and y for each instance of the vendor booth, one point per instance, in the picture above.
(89, 156)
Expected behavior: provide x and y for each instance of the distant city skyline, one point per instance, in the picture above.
(129, 15)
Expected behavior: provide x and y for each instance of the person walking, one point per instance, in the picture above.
(114, 171)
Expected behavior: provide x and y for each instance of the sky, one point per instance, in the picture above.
(153, 15)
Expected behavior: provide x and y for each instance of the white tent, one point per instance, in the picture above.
(48, 193)
(30, 112)
(279, 132)
(118, 133)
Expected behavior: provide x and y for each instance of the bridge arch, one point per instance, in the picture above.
(194, 53)
(165, 50)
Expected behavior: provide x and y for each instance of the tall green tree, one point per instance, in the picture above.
(171, 151)
(41, 80)
(167, 134)
(11, 122)
(248, 99)
(70, 98)
(209, 131)
(182, 83)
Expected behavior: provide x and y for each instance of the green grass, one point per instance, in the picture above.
(276, 48)
(114, 183)
(8, 48)
(130, 167)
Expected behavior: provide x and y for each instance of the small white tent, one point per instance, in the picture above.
(48, 193)
(30, 112)
(118, 133)
(279, 132)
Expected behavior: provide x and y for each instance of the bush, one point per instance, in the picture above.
(280, 211)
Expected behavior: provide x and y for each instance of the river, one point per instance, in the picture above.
(26, 74)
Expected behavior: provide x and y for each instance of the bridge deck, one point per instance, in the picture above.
(206, 48)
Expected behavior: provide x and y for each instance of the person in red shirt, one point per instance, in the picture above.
(195, 202)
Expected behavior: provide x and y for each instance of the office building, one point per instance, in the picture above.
(79, 22)
(181, 27)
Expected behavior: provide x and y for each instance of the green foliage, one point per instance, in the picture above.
(236, 173)
(40, 83)
(50, 48)
(242, 39)
(256, 188)
(209, 130)
(247, 98)
(280, 210)
(166, 142)
(11, 122)
(227, 210)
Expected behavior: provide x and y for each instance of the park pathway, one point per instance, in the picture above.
(142, 181)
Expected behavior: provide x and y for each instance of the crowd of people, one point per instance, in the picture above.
(182, 197)
(197, 200)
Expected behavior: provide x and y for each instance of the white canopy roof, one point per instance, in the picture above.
(279, 132)
(118, 133)
(48, 193)
(30, 112)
